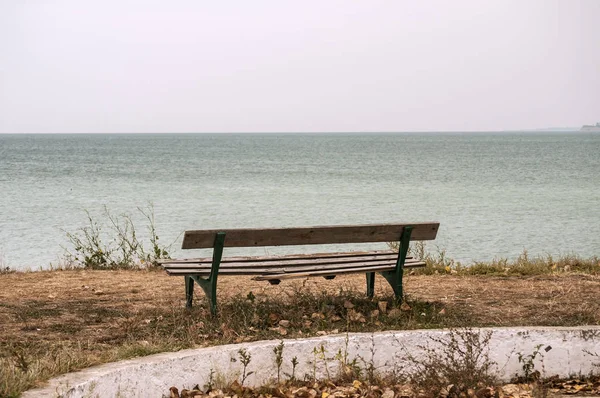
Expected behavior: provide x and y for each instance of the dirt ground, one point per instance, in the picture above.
(66, 305)
(54, 322)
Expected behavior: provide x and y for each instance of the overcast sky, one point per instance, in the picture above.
(310, 65)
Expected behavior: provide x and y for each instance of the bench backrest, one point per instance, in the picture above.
(203, 239)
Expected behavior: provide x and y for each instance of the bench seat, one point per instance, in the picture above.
(277, 268)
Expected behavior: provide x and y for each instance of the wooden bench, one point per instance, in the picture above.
(275, 268)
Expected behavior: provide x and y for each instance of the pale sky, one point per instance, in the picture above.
(298, 66)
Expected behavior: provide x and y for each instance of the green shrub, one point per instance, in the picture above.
(118, 247)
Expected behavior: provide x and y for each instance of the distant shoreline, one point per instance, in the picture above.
(529, 131)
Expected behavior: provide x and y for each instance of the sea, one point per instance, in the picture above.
(495, 195)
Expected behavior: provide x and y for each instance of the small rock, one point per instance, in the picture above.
(174, 392)
(273, 318)
(348, 304)
(395, 313)
(321, 333)
(335, 318)
(98, 292)
(442, 311)
(374, 314)
(307, 324)
(284, 323)
(405, 307)
(382, 305)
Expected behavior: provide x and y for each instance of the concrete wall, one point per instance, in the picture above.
(563, 349)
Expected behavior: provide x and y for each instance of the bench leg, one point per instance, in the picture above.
(394, 278)
(208, 285)
(395, 283)
(189, 291)
(370, 284)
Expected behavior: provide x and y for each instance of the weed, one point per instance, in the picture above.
(294, 364)
(119, 247)
(594, 355)
(461, 359)
(278, 351)
(245, 359)
(4, 268)
(528, 365)
(438, 262)
(211, 380)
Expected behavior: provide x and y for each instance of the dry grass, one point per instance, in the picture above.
(59, 321)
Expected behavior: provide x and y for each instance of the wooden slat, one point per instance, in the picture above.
(203, 239)
(287, 263)
(284, 257)
(329, 272)
(288, 268)
(336, 268)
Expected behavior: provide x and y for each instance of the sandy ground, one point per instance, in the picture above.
(65, 305)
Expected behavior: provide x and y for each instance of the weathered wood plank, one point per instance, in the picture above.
(330, 272)
(287, 262)
(288, 268)
(284, 257)
(293, 269)
(203, 239)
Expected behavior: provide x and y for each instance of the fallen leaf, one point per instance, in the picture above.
(356, 316)
(317, 315)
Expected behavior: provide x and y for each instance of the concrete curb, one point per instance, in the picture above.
(565, 353)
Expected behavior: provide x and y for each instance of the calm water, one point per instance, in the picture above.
(494, 194)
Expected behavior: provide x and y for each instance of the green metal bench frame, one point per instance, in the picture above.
(209, 284)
